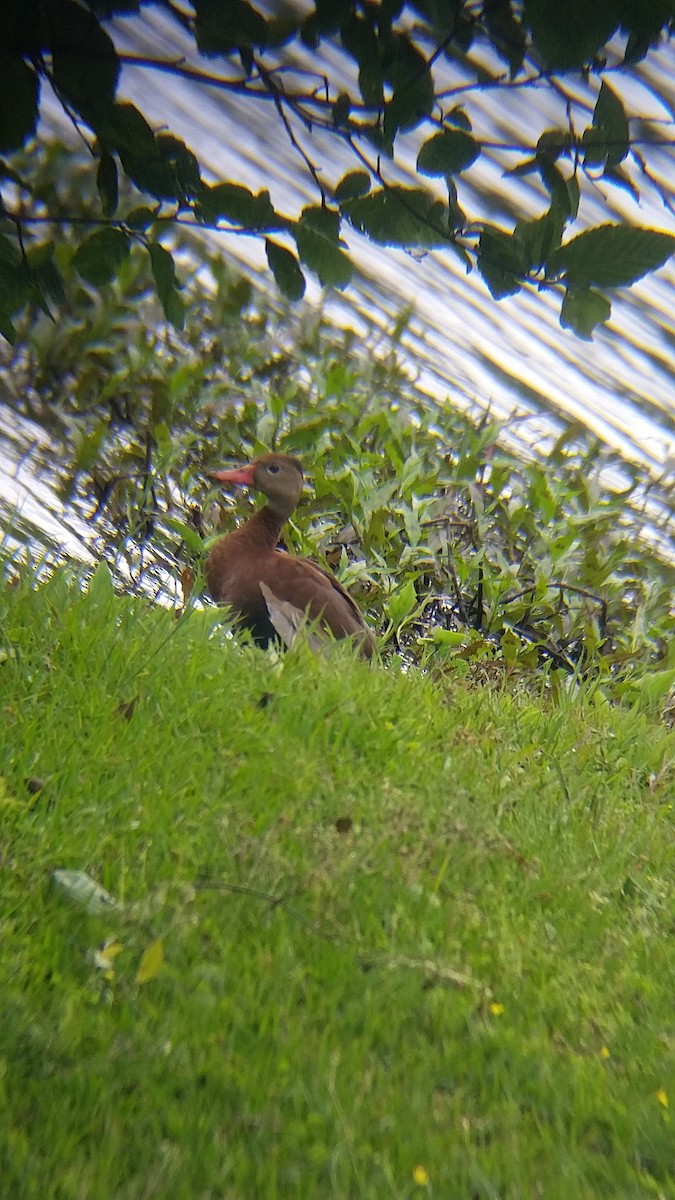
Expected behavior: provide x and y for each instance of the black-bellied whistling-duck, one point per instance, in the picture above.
(269, 590)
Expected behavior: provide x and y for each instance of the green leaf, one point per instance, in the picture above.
(106, 182)
(506, 34)
(317, 236)
(85, 66)
(406, 69)
(447, 153)
(611, 255)
(583, 310)
(126, 130)
(286, 270)
(99, 258)
(87, 449)
(224, 27)
(100, 589)
(182, 163)
(164, 273)
(553, 143)
(355, 183)
(149, 162)
(400, 216)
(15, 291)
(563, 190)
(607, 141)
(239, 205)
(359, 40)
(152, 961)
(45, 279)
(140, 218)
(19, 100)
(458, 117)
(342, 108)
(401, 603)
(570, 34)
(540, 237)
(501, 261)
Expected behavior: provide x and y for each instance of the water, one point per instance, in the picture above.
(467, 350)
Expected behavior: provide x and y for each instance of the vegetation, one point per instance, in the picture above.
(366, 933)
(415, 77)
(457, 548)
(293, 925)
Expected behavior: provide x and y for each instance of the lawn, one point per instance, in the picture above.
(374, 933)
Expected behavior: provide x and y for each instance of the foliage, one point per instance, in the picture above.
(416, 73)
(457, 548)
(359, 932)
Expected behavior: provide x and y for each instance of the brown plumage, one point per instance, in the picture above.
(243, 565)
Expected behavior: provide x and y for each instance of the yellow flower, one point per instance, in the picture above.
(662, 1097)
(497, 1009)
(604, 1052)
(421, 1176)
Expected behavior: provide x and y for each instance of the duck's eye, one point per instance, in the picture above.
(273, 468)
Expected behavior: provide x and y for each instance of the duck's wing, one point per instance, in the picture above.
(287, 620)
(316, 593)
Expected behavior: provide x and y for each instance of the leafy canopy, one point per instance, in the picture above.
(410, 67)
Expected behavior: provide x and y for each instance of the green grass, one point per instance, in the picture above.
(411, 928)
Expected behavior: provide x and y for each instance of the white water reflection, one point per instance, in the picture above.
(512, 355)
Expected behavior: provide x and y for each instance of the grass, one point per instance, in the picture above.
(378, 935)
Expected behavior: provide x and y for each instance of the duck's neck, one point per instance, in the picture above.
(264, 528)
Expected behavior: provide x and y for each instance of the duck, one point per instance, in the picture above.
(270, 591)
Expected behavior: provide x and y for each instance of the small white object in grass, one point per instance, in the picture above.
(84, 890)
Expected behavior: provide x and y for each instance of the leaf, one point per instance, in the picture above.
(583, 310)
(221, 28)
(19, 101)
(286, 270)
(341, 109)
(149, 162)
(359, 40)
(317, 235)
(106, 183)
(44, 278)
(100, 588)
(140, 218)
(152, 961)
(354, 183)
(607, 140)
(187, 533)
(85, 66)
(83, 890)
(569, 35)
(182, 163)
(611, 255)
(540, 237)
(164, 274)
(239, 205)
(506, 34)
(563, 190)
(406, 69)
(401, 603)
(99, 258)
(400, 216)
(447, 153)
(501, 260)
(458, 117)
(126, 130)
